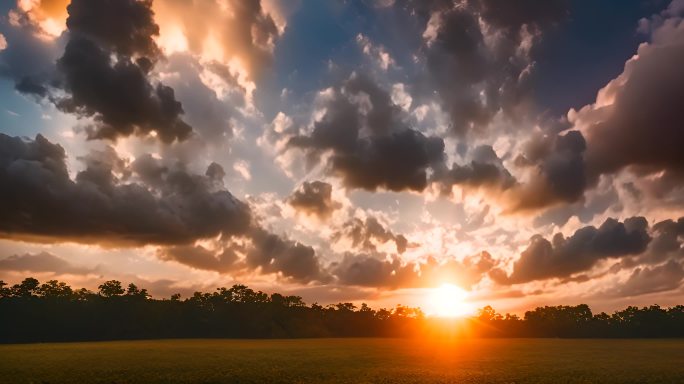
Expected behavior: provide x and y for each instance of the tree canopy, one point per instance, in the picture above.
(53, 311)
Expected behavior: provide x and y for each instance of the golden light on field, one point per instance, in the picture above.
(449, 300)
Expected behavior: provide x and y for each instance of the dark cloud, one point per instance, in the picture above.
(119, 97)
(367, 270)
(364, 234)
(314, 198)
(199, 257)
(483, 47)
(373, 271)
(125, 27)
(563, 257)
(257, 250)
(371, 145)
(635, 122)
(642, 126)
(28, 60)
(161, 204)
(668, 237)
(485, 170)
(41, 262)
(585, 209)
(558, 172)
(104, 71)
(144, 202)
(660, 278)
(275, 254)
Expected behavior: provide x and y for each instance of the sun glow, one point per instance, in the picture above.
(449, 300)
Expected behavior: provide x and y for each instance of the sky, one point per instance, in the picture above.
(527, 152)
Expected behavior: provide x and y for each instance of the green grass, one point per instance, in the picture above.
(346, 361)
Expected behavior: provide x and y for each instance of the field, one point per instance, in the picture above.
(346, 361)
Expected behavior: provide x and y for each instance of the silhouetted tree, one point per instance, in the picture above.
(111, 288)
(53, 311)
(27, 288)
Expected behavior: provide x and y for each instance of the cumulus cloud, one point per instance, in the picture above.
(484, 170)
(240, 36)
(48, 17)
(41, 262)
(593, 204)
(258, 250)
(635, 123)
(373, 271)
(119, 97)
(124, 27)
(484, 46)
(199, 257)
(562, 257)
(27, 58)
(370, 144)
(314, 198)
(161, 204)
(117, 202)
(668, 237)
(104, 72)
(660, 278)
(558, 172)
(275, 254)
(378, 53)
(210, 106)
(367, 234)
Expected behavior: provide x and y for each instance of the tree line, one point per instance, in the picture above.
(53, 311)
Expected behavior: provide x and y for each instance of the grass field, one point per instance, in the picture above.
(346, 361)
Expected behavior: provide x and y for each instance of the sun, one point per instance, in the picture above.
(449, 300)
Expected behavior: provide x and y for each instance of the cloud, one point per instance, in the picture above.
(563, 257)
(558, 172)
(258, 250)
(660, 278)
(392, 273)
(635, 123)
(314, 198)
(124, 27)
(159, 205)
(119, 97)
(275, 254)
(370, 144)
(41, 262)
(104, 72)
(484, 46)
(199, 257)
(367, 234)
(117, 202)
(210, 101)
(378, 53)
(27, 58)
(668, 236)
(511, 18)
(48, 17)
(484, 170)
(585, 209)
(238, 35)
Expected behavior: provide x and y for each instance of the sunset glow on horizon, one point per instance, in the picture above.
(448, 300)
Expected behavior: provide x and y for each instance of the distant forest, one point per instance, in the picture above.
(53, 311)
